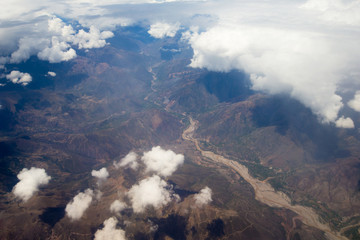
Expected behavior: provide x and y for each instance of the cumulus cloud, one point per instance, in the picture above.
(161, 30)
(152, 191)
(117, 206)
(52, 74)
(30, 181)
(355, 102)
(343, 122)
(110, 231)
(52, 40)
(92, 39)
(162, 162)
(203, 197)
(28, 46)
(78, 205)
(278, 61)
(57, 52)
(128, 161)
(101, 174)
(19, 78)
(285, 48)
(52, 44)
(58, 27)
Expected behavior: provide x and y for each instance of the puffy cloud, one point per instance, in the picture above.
(78, 205)
(355, 103)
(110, 231)
(162, 162)
(50, 39)
(57, 52)
(101, 174)
(52, 74)
(92, 39)
(19, 78)
(28, 46)
(30, 181)
(278, 60)
(58, 27)
(152, 191)
(117, 206)
(203, 197)
(128, 161)
(161, 30)
(343, 122)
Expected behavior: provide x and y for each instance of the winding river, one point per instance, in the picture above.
(264, 192)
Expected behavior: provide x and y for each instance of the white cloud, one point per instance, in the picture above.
(203, 197)
(101, 174)
(117, 206)
(152, 191)
(335, 11)
(278, 60)
(58, 27)
(343, 122)
(161, 30)
(97, 194)
(92, 39)
(78, 205)
(57, 52)
(30, 181)
(128, 161)
(106, 23)
(355, 103)
(52, 74)
(162, 162)
(110, 231)
(50, 39)
(306, 49)
(19, 78)
(28, 46)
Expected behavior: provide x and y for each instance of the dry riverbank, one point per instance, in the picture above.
(264, 192)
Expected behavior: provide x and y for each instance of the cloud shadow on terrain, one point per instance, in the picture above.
(291, 117)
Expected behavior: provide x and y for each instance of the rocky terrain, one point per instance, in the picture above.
(275, 171)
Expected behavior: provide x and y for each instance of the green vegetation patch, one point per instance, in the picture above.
(325, 213)
(353, 233)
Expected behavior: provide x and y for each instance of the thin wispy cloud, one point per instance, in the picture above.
(130, 160)
(161, 30)
(117, 206)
